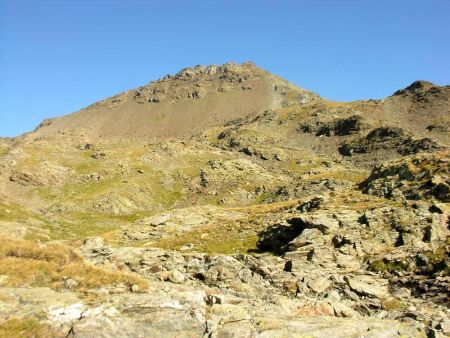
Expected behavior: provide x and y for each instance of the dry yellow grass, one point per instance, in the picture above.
(352, 176)
(267, 208)
(215, 239)
(29, 264)
(24, 328)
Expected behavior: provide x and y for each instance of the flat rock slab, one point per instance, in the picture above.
(326, 327)
(362, 287)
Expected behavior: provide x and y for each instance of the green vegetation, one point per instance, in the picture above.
(352, 176)
(13, 212)
(82, 227)
(78, 190)
(299, 167)
(439, 259)
(264, 197)
(166, 194)
(214, 239)
(84, 164)
(383, 265)
(227, 237)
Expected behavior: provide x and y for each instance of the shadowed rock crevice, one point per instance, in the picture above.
(295, 233)
(337, 127)
(276, 238)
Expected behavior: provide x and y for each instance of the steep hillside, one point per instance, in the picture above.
(178, 105)
(224, 201)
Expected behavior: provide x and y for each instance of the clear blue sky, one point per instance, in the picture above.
(59, 56)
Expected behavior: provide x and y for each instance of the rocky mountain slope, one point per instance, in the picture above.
(224, 201)
(179, 105)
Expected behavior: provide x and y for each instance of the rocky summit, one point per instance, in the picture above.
(224, 201)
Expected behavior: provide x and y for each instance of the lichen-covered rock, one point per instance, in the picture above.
(251, 143)
(389, 138)
(337, 127)
(422, 176)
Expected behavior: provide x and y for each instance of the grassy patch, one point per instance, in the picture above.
(166, 190)
(85, 164)
(234, 243)
(215, 239)
(76, 226)
(358, 201)
(36, 224)
(267, 208)
(263, 197)
(352, 176)
(24, 328)
(228, 237)
(13, 212)
(299, 167)
(29, 264)
(34, 155)
(79, 190)
(78, 229)
(392, 304)
(3, 150)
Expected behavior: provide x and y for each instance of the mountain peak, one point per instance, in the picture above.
(416, 87)
(217, 70)
(193, 99)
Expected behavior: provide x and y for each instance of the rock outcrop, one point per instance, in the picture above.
(386, 138)
(414, 178)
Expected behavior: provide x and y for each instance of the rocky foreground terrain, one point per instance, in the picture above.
(224, 201)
